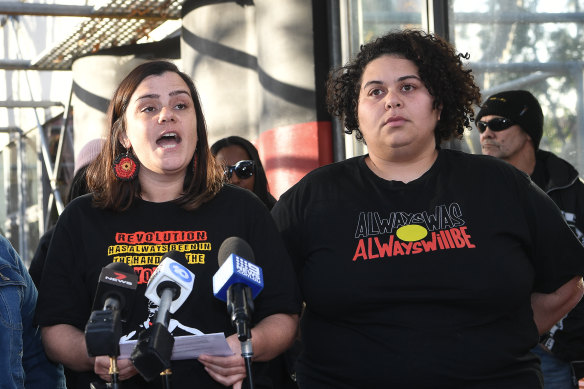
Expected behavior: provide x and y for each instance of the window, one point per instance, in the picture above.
(535, 45)
(365, 20)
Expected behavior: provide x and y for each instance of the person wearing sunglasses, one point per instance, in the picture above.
(243, 166)
(511, 128)
(422, 267)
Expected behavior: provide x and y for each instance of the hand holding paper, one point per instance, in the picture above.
(189, 347)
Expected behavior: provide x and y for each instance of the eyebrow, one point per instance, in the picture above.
(402, 78)
(157, 96)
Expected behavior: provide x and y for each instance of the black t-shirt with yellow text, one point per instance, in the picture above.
(87, 238)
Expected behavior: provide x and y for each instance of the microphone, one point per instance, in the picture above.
(168, 287)
(112, 304)
(237, 282)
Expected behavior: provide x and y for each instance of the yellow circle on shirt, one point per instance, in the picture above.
(411, 233)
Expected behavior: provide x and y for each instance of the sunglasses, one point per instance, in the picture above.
(497, 124)
(242, 169)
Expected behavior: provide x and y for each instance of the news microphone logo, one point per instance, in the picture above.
(235, 270)
(168, 273)
(118, 278)
(112, 304)
(119, 281)
(181, 272)
(113, 277)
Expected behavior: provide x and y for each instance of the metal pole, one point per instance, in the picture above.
(21, 196)
(30, 104)
(579, 78)
(50, 202)
(44, 143)
(62, 133)
(14, 64)
(17, 8)
(49, 166)
(23, 240)
(335, 59)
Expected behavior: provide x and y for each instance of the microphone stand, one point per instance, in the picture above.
(102, 336)
(165, 301)
(114, 372)
(152, 353)
(165, 376)
(240, 306)
(113, 356)
(247, 353)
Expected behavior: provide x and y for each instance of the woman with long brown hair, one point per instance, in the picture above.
(156, 188)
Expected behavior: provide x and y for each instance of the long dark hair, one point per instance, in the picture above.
(260, 186)
(204, 178)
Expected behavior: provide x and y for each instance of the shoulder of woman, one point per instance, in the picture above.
(234, 191)
(230, 193)
(8, 254)
(477, 163)
(330, 172)
(80, 208)
(80, 201)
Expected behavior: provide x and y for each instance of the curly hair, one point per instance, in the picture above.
(204, 176)
(440, 68)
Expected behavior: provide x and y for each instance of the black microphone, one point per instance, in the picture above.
(237, 282)
(112, 304)
(168, 287)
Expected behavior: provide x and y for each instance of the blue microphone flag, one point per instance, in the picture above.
(237, 270)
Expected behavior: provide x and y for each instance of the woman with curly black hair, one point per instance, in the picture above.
(422, 267)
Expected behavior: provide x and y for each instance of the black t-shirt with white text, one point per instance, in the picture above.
(425, 284)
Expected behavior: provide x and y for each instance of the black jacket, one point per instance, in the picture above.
(561, 182)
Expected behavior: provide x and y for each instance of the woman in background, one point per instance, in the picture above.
(78, 187)
(243, 166)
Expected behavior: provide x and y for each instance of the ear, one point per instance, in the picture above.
(123, 138)
(439, 110)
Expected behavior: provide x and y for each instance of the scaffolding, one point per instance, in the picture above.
(113, 23)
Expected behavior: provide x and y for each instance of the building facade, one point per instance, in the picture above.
(260, 67)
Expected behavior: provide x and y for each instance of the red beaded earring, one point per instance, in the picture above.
(126, 167)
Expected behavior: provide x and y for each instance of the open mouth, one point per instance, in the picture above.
(168, 140)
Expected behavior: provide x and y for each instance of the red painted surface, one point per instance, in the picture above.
(289, 152)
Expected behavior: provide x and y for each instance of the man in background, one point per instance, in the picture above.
(511, 126)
